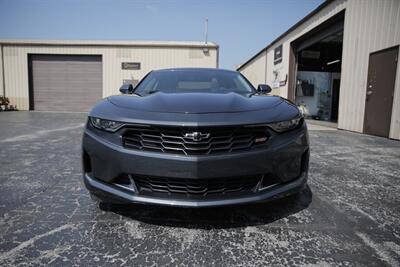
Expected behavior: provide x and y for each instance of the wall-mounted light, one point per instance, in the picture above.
(333, 62)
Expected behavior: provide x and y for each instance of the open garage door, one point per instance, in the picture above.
(317, 68)
(64, 82)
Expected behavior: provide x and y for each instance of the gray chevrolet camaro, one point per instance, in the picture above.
(194, 138)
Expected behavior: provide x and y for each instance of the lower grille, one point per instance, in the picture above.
(196, 188)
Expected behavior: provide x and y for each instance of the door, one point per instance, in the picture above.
(65, 82)
(380, 90)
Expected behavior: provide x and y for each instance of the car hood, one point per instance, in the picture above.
(196, 103)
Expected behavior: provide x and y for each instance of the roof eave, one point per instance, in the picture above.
(309, 15)
(192, 44)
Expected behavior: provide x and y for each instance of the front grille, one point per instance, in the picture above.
(196, 188)
(194, 141)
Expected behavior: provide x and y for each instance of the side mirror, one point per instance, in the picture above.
(126, 88)
(264, 89)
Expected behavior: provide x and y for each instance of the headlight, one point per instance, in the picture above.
(284, 126)
(110, 126)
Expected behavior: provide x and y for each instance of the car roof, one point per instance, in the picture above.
(195, 69)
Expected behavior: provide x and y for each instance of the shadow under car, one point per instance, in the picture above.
(217, 217)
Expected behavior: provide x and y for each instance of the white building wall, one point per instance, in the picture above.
(370, 26)
(16, 64)
(1, 72)
(395, 123)
(270, 74)
(256, 72)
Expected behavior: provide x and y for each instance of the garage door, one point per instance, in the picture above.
(65, 82)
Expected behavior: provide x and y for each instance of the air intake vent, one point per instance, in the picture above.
(196, 188)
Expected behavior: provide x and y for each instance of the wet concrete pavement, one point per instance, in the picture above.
(350, 214)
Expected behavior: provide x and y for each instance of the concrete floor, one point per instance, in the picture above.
(350, 215)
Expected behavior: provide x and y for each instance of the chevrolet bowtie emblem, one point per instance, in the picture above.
(197, 136)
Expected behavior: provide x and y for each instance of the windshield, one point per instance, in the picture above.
(208, 81)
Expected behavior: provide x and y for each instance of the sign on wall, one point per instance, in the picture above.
(130, 65)
(277, 82)
(278, 55)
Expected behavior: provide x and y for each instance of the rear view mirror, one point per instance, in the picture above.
(264, 89)
(126, 88)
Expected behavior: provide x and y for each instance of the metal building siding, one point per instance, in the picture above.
(270, 75)
(1, 71)
(256, 72)
(370, 26)
(154, 57)
(150, 58)
(395, 124)
(16, 68)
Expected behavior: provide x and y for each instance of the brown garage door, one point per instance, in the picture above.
(65, 82)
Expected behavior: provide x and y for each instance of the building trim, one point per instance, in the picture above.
(113, 43)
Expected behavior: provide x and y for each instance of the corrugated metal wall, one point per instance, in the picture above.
(256, 72)
(370, 26)
(395, 124)
(1, 71)
(16, 64)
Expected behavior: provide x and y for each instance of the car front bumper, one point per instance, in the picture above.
(285, 156)
(112, 194)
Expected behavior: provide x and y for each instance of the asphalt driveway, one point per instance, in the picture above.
(350, 215)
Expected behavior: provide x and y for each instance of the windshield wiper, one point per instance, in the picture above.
(152, 92)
